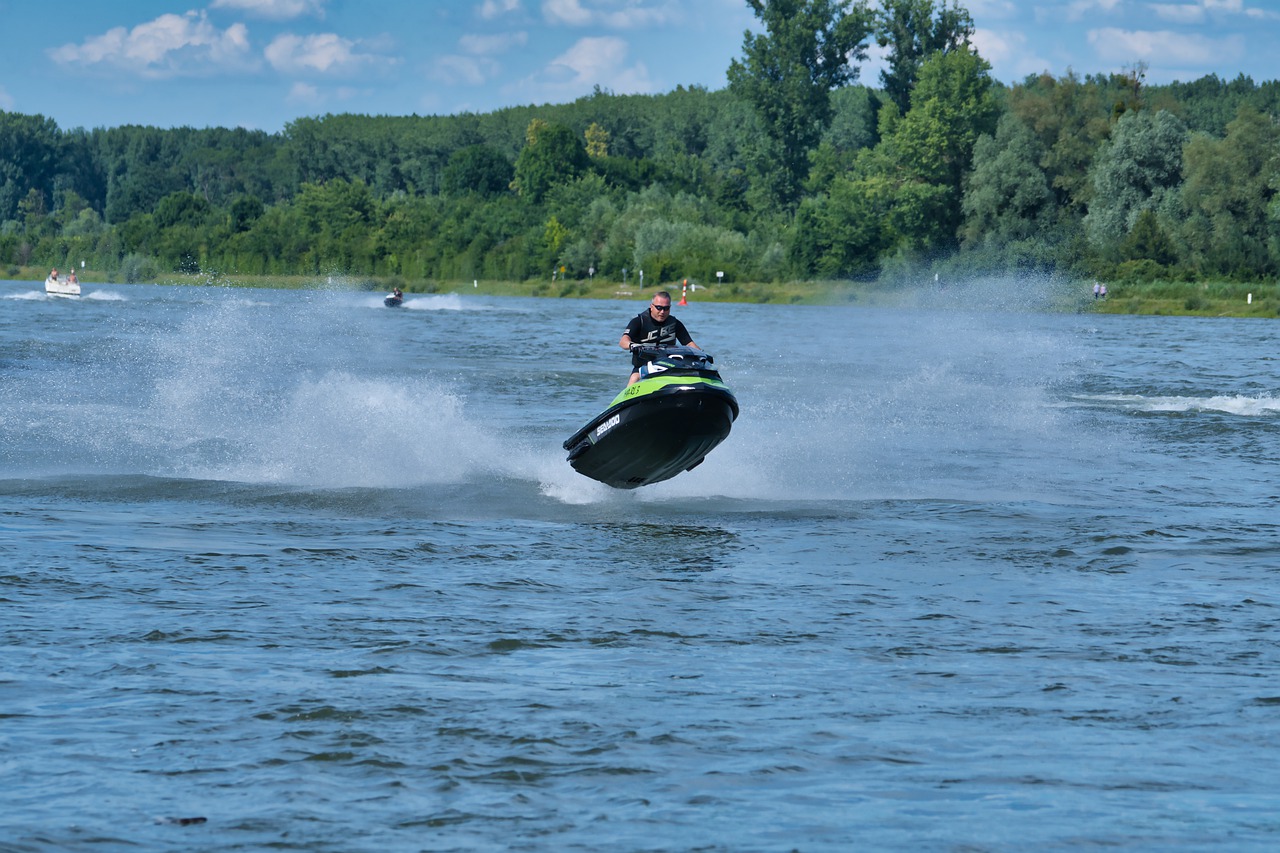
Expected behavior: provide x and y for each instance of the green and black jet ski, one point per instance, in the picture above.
(665, 423)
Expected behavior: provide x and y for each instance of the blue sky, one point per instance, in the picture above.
(263, 63)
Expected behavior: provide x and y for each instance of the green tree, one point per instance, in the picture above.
(552, 155)
(1072, 119)
(477, 169)
(337, 220)
(597, 141)
(1149, 242)
(142, 169)
(30, 150)
(1007, 195)
(952, 105)
(245, 211)
(1230, 196)
(33, 212)
(912, 30)
(787, 74)
(844, 233)
(181, 208)
(1139, 169)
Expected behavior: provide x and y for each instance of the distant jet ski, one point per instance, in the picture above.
(394, 299)
(665, 423)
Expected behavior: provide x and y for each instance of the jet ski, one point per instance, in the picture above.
(665, 423)
(393, 300)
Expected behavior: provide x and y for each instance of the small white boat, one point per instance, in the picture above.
(61, 287)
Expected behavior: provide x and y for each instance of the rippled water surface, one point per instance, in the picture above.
(294, 571)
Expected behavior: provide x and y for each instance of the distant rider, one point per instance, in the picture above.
(654, 326)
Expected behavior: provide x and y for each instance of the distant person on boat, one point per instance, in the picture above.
(397, 293)
(71, 278)
(53, 274)
(656, 327)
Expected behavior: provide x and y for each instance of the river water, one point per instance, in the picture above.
(291, 570)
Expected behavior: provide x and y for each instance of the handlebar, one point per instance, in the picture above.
(652, 352)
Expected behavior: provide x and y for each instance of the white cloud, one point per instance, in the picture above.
(169, 46)
(313, 97)
(997, 47)
(303, 93)
(1199, 10)
(475, 68)
(465, 70)
(322, 52)
(1178, 13)
(1079, 9)
(6, 100)
(1170, 48)
(494, 44)
(985, 10)
(275, 10)
(491, 9)
(1009, 54)
(1237, 7)
(597, 61)
(615, 14)
(566, 12)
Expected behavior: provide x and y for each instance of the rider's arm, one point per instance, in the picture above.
(625, 343)
(682, 332)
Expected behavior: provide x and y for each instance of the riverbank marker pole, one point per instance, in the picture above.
(684, 292)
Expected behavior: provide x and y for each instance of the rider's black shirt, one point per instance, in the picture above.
(643, 329)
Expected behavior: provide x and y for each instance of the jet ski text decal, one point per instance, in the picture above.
(608, 425)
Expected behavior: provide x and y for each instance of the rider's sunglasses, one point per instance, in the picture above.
(661, 307)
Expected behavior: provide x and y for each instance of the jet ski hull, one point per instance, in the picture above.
(654, 430)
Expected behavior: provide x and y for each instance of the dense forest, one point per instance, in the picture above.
(795, 171)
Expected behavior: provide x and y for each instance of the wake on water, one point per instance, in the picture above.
(249, 391)
(91, 295)
(1233, 404)
(946, 402)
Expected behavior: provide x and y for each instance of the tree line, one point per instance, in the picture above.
(795, 171)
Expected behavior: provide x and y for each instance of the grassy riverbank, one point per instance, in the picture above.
(1195, 299)
(788, 293)
(1192, 299)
